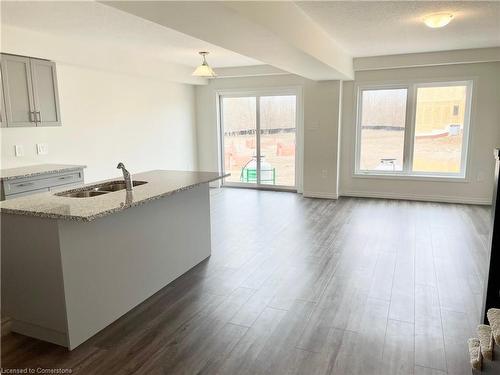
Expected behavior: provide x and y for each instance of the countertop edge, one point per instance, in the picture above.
(108, 212)
(34, 174)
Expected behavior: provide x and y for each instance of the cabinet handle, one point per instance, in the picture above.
(32, 116)
(38, 117)
(25, 184)
(65, 177)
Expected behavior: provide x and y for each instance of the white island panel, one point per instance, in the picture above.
(108, 265)
(113, 264)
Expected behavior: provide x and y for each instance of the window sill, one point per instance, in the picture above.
(412, 177)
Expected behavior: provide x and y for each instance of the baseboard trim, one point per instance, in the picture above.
(417, 197)
(41, 333)
(319, 194)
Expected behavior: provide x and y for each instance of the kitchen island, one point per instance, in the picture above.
(73, 265)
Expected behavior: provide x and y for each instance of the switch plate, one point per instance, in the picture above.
(19, 150)
(42, 148)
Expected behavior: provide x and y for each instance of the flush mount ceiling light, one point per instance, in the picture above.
(204, 70)
(438, 20)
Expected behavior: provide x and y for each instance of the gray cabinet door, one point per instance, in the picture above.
(18, 195)
(45, 93)
(18, 92)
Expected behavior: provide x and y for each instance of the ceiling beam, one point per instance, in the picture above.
(277, 33)
(249, 71)
(410, 60)
(295, 27)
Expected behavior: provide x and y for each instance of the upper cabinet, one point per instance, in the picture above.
(45, 95)
(18, 91)
(29, 92)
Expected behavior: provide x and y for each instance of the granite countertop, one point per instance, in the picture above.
(36, 170)
(160, 183)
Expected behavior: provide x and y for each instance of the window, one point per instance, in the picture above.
(258, 139)
(439, 129)
(413, 130)
(383, 118)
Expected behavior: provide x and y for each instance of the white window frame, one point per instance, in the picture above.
(409, 136)
(299, 135)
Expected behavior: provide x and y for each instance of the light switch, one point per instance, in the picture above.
(42, 148)
(19, 150)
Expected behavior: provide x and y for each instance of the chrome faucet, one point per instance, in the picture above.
(126, 176)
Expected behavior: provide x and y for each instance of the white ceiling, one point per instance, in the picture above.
(313, 39)
(98, 23)
(373, 28)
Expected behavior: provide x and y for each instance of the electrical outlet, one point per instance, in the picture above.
(42, 148)
(324, 173)
(19, 150)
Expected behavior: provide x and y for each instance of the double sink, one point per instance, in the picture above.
(96, 190)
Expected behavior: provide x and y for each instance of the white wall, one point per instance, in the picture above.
(321, 124)
(484, 137)
(108, 117)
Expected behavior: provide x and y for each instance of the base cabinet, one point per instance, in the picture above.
(62, 281)
(19, 187)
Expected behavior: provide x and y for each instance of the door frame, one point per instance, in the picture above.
(299, 133)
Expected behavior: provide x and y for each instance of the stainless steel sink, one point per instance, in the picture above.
(82, 194)
(96, 190)
(117, 185)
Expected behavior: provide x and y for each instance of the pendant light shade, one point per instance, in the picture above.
(438, 20)
(204, 70)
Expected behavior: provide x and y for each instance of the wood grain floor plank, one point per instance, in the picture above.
(335, 356)
(366, 355)
(383, 277)
(399, 353)
(243, 358)
(419, 370)
(429, 343)
(194, 343)
(457, 330)
(284, 338)
(302, 286)
(403, 287)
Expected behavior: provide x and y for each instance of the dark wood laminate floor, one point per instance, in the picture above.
(302, 286)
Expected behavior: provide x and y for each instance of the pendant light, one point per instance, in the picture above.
(204, 70)
(438, 20)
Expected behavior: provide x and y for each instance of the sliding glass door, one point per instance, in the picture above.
(239, 119)
(258, 139)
